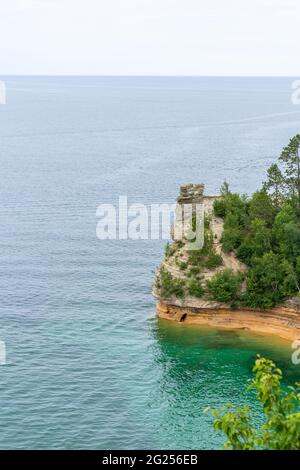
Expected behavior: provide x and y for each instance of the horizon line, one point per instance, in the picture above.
(145, 76)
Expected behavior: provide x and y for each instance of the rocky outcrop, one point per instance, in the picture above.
(283, 321)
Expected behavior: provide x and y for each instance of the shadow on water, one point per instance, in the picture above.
(202, 367)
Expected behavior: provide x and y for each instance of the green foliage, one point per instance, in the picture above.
(275, 184)
(264, 231)
(182, 265)
(196, 258)
(236, 213)
(195, 288)
(225, 188)
(281, 427)
(168, 250)
(245, 251)
(220, 207)
(256, 243)
(225, 286)
(178, 244)
(194, 271)
(199, 258)
(261, 207)
(231, 239)
(214, 260)
(208, 241)
(269, 281)
(297, 268)
(286, 233)
(290, 157)
(168, 285)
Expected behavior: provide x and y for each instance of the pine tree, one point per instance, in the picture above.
(275, 184)
(290, 157)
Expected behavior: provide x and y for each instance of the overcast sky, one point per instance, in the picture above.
(150, 37)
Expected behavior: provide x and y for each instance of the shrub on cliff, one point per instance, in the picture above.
(261, 207)
(256, 243)
(220, 207)
(195, 288)
(281, 427)
(214, 260)
(168, 250)
(269, 281)
(225, 286)
(168, 285)
(235, 220)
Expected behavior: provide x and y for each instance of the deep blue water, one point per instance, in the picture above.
(88, 365)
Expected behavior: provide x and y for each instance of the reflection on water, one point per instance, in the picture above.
(203, 367)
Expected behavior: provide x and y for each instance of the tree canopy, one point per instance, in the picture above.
(264, 231)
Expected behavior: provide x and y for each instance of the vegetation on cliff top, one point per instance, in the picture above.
(262, 231)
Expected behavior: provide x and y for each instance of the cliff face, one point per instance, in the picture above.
(182, 263)
(181, 270)
(281, 321)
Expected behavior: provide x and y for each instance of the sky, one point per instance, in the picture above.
(150, 37)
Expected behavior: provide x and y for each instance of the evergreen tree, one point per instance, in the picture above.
(290, 157)
(275, 184)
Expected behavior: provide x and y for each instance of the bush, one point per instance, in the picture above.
(182, 265)
(196, 257)
(261, 207)
(168, 285)
(168, 250)
(270, 280)
(280, 429)
(195, 288)
(245, 252)
(256, 243)
(220, 207)
(225, 286)
(231, 238)
(194, 271)
(214, 260)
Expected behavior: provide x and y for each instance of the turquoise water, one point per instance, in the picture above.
(88, 364)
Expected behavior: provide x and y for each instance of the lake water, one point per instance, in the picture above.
(88, 364)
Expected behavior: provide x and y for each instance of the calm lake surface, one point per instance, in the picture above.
(88, 364)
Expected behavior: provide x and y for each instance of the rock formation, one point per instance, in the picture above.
(179, 279)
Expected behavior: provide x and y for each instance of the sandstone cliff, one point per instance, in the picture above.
(185, 268)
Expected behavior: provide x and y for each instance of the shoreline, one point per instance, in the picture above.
(282, 322)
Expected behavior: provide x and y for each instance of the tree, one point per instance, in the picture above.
(281, 427)
(286, 233)
(195, 288)
(224, 286)
(261, 207)
(257, 243)
(269, 281)
(290, 157)
(168, 285)
(275, 184)
(225, 188)
(220, 207)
